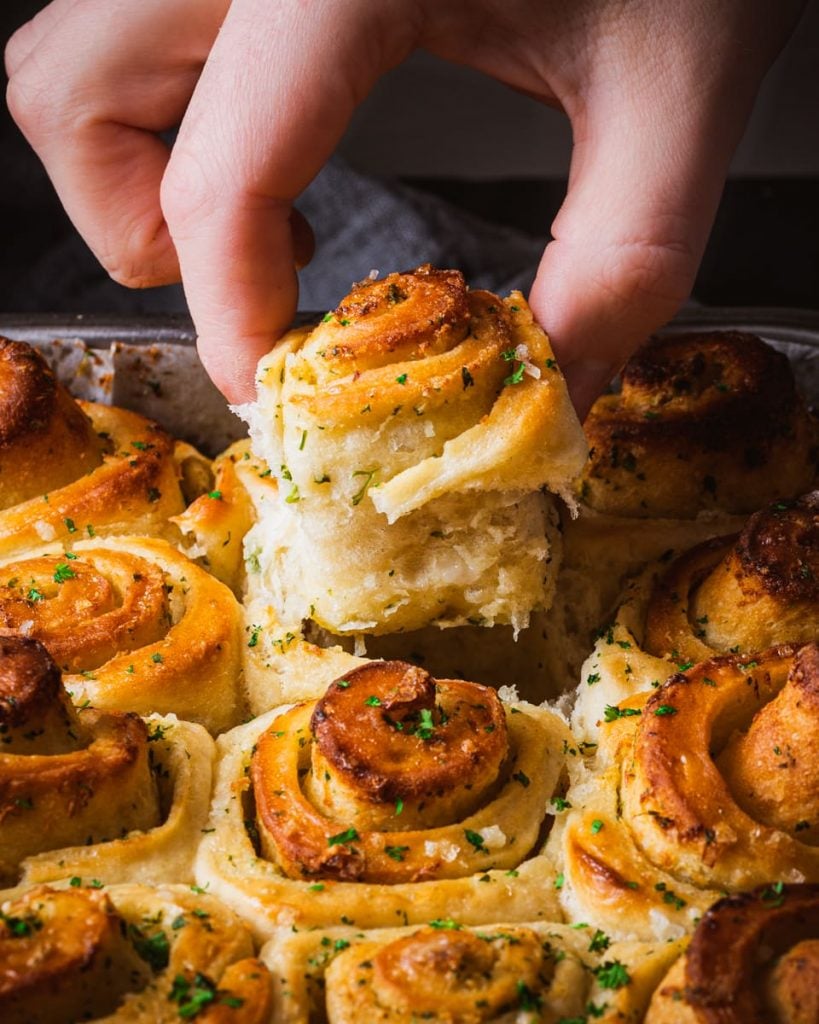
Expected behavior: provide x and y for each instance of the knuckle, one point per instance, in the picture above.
(650, 271)
(186, 196)
(25, 100)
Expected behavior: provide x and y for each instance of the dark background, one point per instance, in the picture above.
(764, 248)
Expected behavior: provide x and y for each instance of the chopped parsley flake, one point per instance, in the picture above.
(475, 839)
(358, 497)
(63, 571)
(342, 838)
(665, 709)
(612, 974)
(612, 713)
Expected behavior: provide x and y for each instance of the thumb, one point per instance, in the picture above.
(647, 172)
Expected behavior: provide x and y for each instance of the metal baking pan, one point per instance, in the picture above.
(149, 363)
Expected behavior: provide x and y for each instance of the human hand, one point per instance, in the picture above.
(657, 91)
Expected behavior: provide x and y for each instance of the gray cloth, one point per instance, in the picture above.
(360, 224)
(364, 224)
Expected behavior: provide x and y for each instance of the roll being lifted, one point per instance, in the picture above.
(412, 434)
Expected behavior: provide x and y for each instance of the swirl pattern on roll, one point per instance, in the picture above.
(537, 971)
(127, 953)
(74, 469)
(749, 592)
(134, 624)
(86, 791)
(410, 435)
(392, 794)
(703, 421)
(754, 959)
(65, 778)
(710, 786)
(743, 594)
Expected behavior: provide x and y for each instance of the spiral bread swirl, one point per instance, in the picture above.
(710, 786)
(76, 468)
(92, 791)
(702, 421)
(742, 593)
(534, 972)
(754, 959)
(707, 428)
(127, 953)
(394, 794)
(135, 624)
(418, 409)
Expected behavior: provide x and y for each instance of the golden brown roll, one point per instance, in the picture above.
(745, 593)
(535, 972)
(394, 796)
(707, 428)
(86, 791)
(753, 958)
(703, 421)
(742, 594)
(708, 787)
(411, 435)
(46, 441)
(64, 778)
(127, 953)
(134, 624)
(77, 469)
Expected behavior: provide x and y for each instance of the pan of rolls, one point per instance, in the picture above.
(424, 702)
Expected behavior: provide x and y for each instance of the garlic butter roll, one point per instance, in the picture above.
(127, 954)
(706, 429)
(738, 594)
(709, 786)
(90, 792)
(71, 469)
(754, 959)
(393, 795)
(443, 971)
(412, 435)
(134, 624)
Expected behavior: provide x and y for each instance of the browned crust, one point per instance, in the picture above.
(736, 939)
(669, 629)
(29, 681)
(703, 421)
(119, 742)
(426, 352)
(29, 390)
(79, 927)
(416, 313)
(93, 614)
(719, 388)
(748, 591)
(246, 983)
(687, 798)
(779, 549)
(378, 748)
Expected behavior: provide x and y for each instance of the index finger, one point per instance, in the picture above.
(277, 91)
